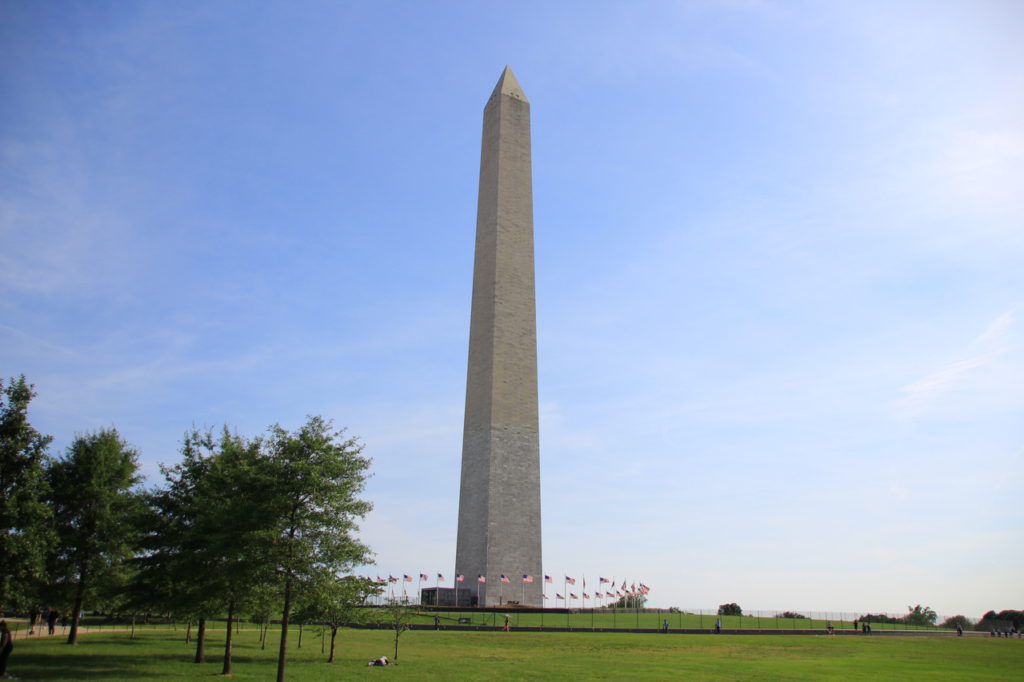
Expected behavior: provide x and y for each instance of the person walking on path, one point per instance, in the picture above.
(718, 626)
(6, 646)
(32, 620)
(51, 619)
(507, 628)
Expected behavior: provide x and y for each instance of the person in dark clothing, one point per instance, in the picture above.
(51, 619)
(6, 646)
(437, 622)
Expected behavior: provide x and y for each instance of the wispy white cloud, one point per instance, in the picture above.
(996, 332)
(924, 393)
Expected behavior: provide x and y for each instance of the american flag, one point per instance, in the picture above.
(547, 578)
(423, 576)
(459, 577)
(527, 578)
(572, 596)
(586, 596)
(644, 588)
(504, 578)
(602, 580)
(623, 584)
(481, 579)
(571, 581)
(392, 579)
(440, 577)
(544, 596)
(407, 578)
(558, 596)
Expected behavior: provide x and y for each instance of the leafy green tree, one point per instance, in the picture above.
(315, 475)
(732, 609)
(922, 616)
(96, 506)
(879, 618)
(998, 621)
(397, 617)
(951, 623)
(336, 602)
(25, 531)
(629, 601)
(791, 614)
(205, 552)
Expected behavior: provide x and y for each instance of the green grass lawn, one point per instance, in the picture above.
(599, 618)
(427, 655)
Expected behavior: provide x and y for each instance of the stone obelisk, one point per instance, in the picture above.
(499, 503)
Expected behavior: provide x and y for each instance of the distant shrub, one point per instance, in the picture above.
(732, 609)
(951, 623)
(878, 618)
(998, 621)
(790, 614)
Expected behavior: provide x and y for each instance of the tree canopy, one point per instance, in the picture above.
(25, 530)
(96, 507)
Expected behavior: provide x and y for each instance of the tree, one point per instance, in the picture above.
(922, 616)
(732, 609)
(397, 615)
(25, 531)
(791, 614)
(951, 622)
(335, 602)
(314, 476)
(1003, 619)
(95, 506)
(629, 601)
(206, 549)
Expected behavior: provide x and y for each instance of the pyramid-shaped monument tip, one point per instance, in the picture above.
(509, 86)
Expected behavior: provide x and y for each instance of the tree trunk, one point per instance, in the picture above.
(188, 632)
(133, 627)
(226, 670)
(201, 641)
(334, 633)
(282, 652)
(79, 600)
(300, 636)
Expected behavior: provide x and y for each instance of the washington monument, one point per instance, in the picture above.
(499, 503)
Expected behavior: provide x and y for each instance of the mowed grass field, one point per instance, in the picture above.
(428, 655)
(602, 619)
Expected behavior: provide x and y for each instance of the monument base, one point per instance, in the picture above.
(448, 596)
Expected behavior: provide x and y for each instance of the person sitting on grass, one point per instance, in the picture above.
(383, 660)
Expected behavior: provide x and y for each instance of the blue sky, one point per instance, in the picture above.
(778, 269)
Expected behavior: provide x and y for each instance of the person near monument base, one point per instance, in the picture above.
(6, 646)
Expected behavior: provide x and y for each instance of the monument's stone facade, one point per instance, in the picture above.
(499, 504)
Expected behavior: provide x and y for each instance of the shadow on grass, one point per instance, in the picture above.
(83, 664)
